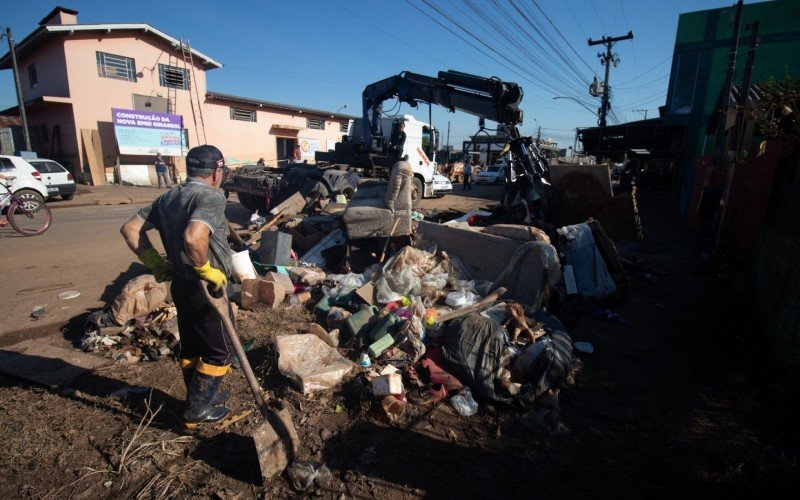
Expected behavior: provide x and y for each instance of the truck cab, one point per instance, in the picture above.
(419, 150)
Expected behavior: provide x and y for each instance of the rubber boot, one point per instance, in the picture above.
(200, 394)
(219, 398)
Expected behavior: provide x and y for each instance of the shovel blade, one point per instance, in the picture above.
(275, 453)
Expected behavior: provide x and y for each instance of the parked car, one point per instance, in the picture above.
(27, 180)
(59, 180)
(441, 185)
(492, 175)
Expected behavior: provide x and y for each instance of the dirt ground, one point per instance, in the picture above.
(671, 404)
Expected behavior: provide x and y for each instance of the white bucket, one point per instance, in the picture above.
(243, 267)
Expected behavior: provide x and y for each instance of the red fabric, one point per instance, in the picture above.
(433, 362)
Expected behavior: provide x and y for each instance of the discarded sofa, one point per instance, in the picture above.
(372, 213)
(529, 270)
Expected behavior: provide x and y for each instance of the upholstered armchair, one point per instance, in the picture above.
(372, 212)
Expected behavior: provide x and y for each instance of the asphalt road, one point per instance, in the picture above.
(84, 251)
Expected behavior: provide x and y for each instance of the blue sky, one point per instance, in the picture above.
(321, 53)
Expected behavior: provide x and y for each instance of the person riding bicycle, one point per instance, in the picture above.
(9, 178)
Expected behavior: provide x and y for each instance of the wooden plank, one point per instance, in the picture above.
(600, 172)
(97, 143)
(95, 168)
(290, 206)
(46, 364)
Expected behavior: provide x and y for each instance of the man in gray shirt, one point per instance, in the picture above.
(194, 231)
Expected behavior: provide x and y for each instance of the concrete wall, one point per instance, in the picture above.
(51, 72)
(91, 112)
(67, 69)
(243, 142)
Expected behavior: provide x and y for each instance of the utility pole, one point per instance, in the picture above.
(20, 101)
(640, 111)
(607, 59)
(538, 136)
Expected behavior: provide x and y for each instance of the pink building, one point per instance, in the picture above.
(73, 74)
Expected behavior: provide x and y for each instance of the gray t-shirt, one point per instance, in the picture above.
(171, 213)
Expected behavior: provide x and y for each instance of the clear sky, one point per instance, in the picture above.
(321, 53)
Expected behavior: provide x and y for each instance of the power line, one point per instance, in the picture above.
(651, 82)
(648, 71)
(533, 78)
(563, 38)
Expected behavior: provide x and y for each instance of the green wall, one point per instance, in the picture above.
(705, 36)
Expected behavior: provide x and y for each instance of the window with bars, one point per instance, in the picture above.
(34, 79)
(245, 115)
(117, 67)
(315, 124)
(172, 76)
(343, 127)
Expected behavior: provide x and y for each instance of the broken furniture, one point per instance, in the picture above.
(372, 213)
(529, 270)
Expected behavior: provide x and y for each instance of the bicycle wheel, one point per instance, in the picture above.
(29, 218)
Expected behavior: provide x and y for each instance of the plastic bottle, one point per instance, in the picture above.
(464, 404)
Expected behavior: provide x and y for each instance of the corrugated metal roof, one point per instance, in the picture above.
(276, 105)
(38, 36)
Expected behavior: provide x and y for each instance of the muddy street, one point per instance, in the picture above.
(666, 404)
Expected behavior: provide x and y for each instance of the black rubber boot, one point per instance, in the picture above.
(219, 398)
(199, 397)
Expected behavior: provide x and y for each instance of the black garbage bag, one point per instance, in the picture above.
(545, 364)
(474, 347)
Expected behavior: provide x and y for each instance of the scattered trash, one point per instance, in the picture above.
(364, 360)
(310, 362)
(69, 295)
(304, 475)
(609, 316)
(393, 408)
(122, 393)
(386, 385)
(545, 364)
(38, 311)
(464, 404)
(584, 347)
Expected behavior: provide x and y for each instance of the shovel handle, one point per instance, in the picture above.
(220, 305)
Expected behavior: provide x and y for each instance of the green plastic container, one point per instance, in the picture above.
(357, 321)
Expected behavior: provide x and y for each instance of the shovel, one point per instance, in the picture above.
(276, 439)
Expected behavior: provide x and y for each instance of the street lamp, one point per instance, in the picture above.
(579, 102)
(343, 107)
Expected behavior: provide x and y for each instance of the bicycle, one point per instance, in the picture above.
(29, 216)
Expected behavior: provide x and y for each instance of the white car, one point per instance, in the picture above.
(493, 175)
(27, 181)
(441, 185)
(59, 180)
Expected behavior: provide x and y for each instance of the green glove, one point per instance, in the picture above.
(162, 270)
(212, 275)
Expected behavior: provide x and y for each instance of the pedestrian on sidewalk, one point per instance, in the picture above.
(161, 172)
(467, 175)
(193, 228)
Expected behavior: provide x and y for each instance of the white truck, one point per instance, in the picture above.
(419, 150)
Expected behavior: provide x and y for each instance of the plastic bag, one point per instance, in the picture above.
(304, 475)
(545, 364)
(464, 404)
(345, 283)
(310, 362)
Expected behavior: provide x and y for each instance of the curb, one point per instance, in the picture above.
(100, 202)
